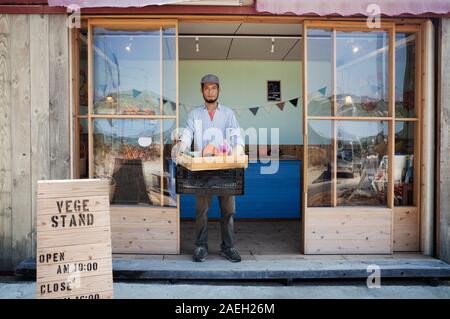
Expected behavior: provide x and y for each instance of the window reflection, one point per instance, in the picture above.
(319, 77)
(319, 163)
(362, 64)
(362, 157)
(169, 70)
(83, 72)
(127, 153)
(405, 74)
(127, 68)
(404, 164)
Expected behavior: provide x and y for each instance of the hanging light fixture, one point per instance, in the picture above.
(272, 49)
(128, 46)
(197, 48)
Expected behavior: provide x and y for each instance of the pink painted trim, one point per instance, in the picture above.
(352, 7)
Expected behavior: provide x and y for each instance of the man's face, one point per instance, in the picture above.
(210, 92)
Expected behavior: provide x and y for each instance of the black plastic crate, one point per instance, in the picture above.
(214, 182)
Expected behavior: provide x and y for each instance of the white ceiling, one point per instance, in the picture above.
(235, 46)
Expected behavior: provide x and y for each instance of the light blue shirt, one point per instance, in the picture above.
(199, 127)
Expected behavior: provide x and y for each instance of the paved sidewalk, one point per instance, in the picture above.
(221, 290)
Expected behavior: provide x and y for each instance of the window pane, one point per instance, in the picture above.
(319, 163)
(405, 74)
(170, 196)
(127, 71)
(127, 152)
(83, 152)
(362, 64)
(362, 155)
(404, 164)
(320, 67)
(169, 70)
(83, 73)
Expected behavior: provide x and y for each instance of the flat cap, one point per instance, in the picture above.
(210, 78)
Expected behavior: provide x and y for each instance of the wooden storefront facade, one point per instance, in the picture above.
(40, 118)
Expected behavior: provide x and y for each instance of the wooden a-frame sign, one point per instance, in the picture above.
(73, 258)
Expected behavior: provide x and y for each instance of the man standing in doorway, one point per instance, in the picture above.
(211, 124)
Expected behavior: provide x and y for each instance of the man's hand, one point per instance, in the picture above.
(177, 149)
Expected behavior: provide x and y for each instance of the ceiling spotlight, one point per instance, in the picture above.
(197, 48)
(128, 47)
(355, 49)
(272, 49)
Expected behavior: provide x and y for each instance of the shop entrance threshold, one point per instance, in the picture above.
(269, 251)
(267, 267)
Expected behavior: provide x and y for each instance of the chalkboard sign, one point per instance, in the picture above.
(73, 259)
(273, 90)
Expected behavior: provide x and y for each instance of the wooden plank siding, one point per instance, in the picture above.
(20, 137)
(59, 97)
(5, 144)
(40, 130)
(34, 123)
(443, 182)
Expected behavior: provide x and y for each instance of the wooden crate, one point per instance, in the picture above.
(212, 162)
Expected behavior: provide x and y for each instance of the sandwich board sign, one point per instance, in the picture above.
(73, 258)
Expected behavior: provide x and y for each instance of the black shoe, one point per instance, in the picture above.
(200, 254)
(231, 254)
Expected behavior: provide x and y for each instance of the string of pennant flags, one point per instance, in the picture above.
(254, 109)
(320, 94)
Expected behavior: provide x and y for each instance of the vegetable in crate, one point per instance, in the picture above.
(222, 150)
(209, 150)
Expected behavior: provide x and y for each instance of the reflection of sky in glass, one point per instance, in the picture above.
(169, 64)
(125, 61)
(319, 75)
(320, 131)
(362, 64)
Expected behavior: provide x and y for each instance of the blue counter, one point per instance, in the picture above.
(266, 196)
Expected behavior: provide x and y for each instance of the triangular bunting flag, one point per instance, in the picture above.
(280, 105)
(136, 92)
(268, 108)
(164, 101)
(254, 110)
(294, 102)
(187, 108)
(174, 106)
(323, 90)
(239, 111)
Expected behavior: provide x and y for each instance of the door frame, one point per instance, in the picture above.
(163, 214)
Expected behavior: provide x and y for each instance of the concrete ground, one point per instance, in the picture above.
(13, 289)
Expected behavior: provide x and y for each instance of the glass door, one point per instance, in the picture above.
(132, 116)
(348, 138)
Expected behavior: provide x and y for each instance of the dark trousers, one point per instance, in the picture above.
(227, 210)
